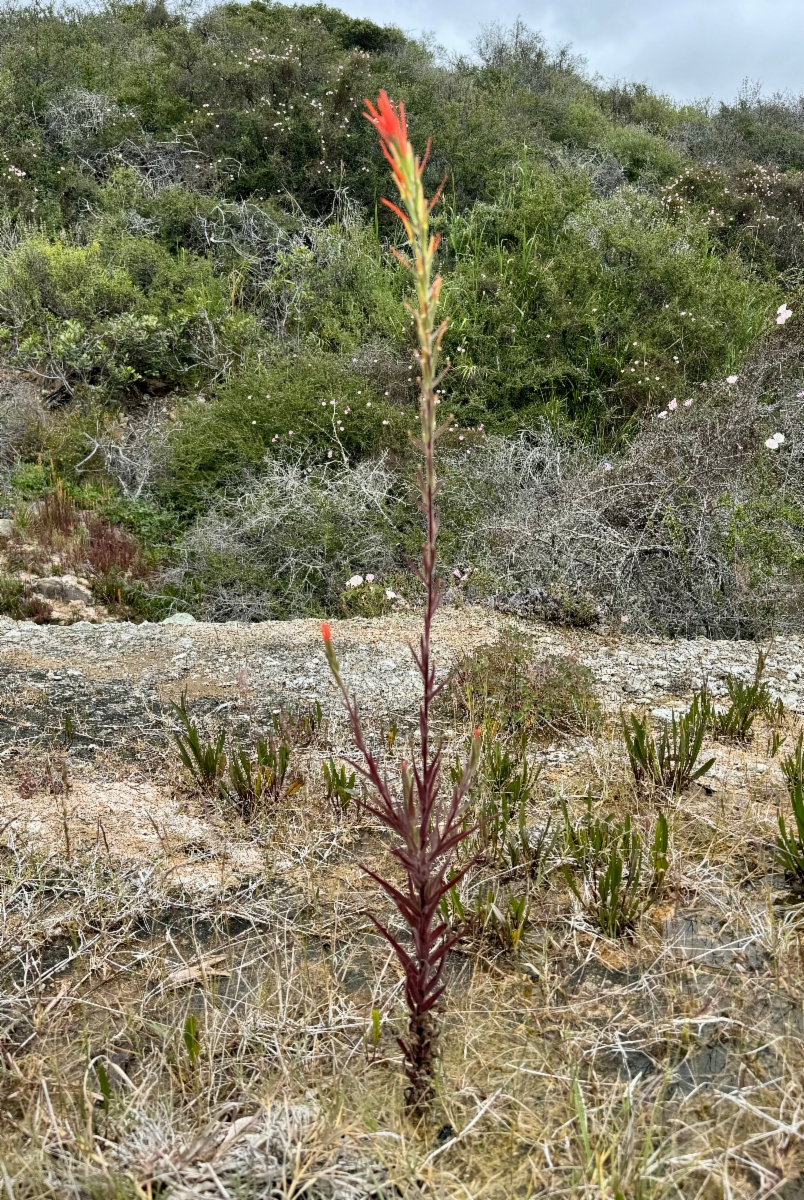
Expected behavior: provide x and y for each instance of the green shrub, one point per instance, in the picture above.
(524, 692)
(644, 156)
(574, 305)
(310, 406)
(112, 315)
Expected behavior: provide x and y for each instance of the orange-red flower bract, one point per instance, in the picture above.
(389, 122)
(326, 632)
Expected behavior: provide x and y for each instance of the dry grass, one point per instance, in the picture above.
(669, 1064)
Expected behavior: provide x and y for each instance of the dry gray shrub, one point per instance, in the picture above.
(694, 528)
(78, 115)
(750, 130)
(133, 451)
(289, 539)
(22, 417)
(77, 118)
(159, 164)
(280, 260)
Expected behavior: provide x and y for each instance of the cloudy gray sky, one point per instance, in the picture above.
(688, 48)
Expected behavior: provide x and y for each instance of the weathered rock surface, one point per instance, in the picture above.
(64, 587)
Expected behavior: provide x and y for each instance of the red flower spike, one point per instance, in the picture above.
(326, 632)
(428, 822)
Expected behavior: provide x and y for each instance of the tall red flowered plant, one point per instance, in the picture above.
(428, 825)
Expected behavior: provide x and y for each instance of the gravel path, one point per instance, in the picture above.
(114, 678)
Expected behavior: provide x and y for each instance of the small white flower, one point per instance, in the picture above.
(390, 594)
(771, 443)
(783, 313)
(369, 579)
(780, 438)
(662, 416)
(673, 405)
(687, 403)
(606, 466)
(355, 581)
(732, 378)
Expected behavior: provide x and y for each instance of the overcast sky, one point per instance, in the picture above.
(690, 49)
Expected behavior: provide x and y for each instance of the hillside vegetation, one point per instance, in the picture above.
(208, 360)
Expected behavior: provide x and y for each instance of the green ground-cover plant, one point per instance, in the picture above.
(746, 700)
(671, 758)
(790, 840)
(793, 765)
(204, 761)
(254, 786)
(525, 693)
(488, 912)
(500, 802)
(607, 855)
(503, 787)
(340, 783)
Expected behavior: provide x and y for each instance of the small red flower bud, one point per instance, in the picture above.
(477, 733)
(326, 632)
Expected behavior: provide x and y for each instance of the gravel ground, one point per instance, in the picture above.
(115, 678)
(124, 786)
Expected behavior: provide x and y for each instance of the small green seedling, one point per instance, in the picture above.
(192, 1038)
(340, 786)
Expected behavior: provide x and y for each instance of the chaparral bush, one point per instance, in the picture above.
(194, 262)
